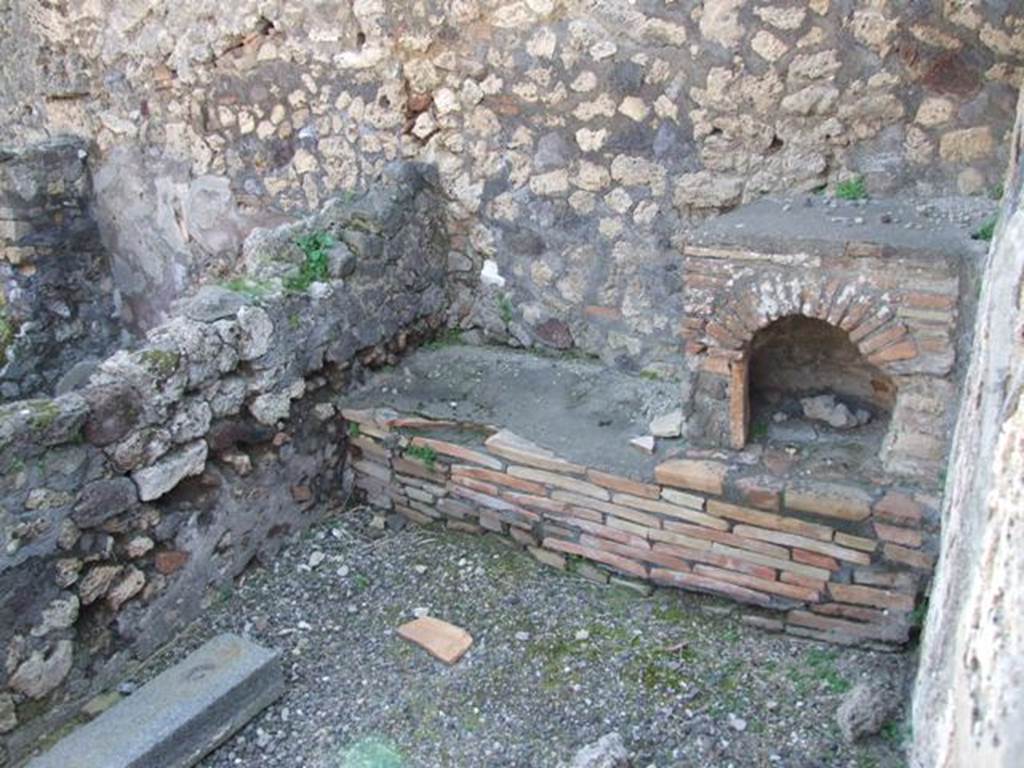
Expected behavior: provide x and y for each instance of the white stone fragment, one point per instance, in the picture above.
(634, 108)
(603, 50)
(490, 275)
(668, 424)
(645, 444)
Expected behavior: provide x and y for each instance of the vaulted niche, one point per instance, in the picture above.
(807, 382)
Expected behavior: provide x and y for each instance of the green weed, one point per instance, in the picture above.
(505, 309)
(987, 230)
(852, 189)
(424, 453)
(896, 732)
(360, 582)
(314, 269)
(917, 615)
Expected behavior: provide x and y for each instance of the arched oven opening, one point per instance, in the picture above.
(808, 384)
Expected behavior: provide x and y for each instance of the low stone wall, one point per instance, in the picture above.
(839, 562)
(57, 299)
(128, 506)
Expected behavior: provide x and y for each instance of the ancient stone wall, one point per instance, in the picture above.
(968, 700)
(126, 506)
(837, 561)
(57, 304)
(573, 137)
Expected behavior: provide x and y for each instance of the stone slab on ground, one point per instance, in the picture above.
(181, 715)
(440, 639)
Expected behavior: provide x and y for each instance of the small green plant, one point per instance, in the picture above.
(987, 230)
(505, 309)
(996, 193)
(353, 429)
(360, 582)
(896, 732)
(852, 189)
(424, 453)
(314, 269)
(917, 615)
(758, 431)
(224, 593)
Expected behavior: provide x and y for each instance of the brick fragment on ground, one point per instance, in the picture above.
(440, 639)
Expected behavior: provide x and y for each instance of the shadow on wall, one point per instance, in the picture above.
(57, 301)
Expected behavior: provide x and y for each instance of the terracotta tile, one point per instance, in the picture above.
(440, 639)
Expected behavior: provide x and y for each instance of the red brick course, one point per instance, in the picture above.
(692, 538)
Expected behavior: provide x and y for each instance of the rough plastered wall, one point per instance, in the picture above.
(969, 699)
(572, 137)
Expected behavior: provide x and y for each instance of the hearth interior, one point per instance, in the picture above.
(809, 383)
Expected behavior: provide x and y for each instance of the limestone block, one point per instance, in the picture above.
(179, 716)
(966, 145)
(154, 481)
(720, 22)
(43, 671)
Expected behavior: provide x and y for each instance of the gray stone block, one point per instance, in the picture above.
(179, 716)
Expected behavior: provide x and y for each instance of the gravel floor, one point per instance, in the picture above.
(558, 661)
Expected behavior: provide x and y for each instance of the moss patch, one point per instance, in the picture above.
(254, 289)
(7, 329)
(161, 362)
(44, 413)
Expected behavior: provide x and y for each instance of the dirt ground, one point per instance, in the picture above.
(557, 662)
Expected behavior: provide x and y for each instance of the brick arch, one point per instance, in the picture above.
(851, 306)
